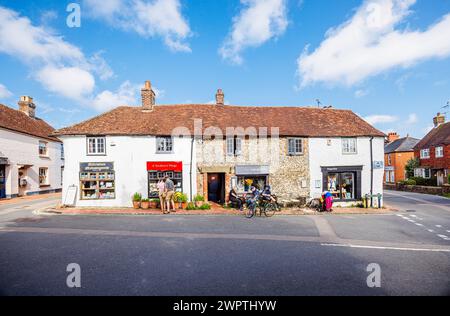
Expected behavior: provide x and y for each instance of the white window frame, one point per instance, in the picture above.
(295, 146)
(45, 144)
(164, 145)
(425, 170)
(425, 153)
(234, 146)
(347, 148)
(45, 174)
(392, 177)
(95, 150)
(439, 151)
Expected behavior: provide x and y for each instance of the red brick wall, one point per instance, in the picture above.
(433, 162)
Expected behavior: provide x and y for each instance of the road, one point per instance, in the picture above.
(229, 255)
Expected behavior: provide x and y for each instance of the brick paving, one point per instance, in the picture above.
(29, 198)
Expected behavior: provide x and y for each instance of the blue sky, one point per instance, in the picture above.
(387, 60)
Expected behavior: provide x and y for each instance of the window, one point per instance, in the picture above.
(392, 177)
(62, 151)
(389, 159)
(43, 176)
(234, 146)
(153, 179)
(97, 181)
(427, 173)
(62, 175)
(245, 182)
(295, 146)
(349, 145)
(342, 185)
(164, 144)
(43, 148)
(422, 173)
(96, 146)
(439, 152)
(425, 154)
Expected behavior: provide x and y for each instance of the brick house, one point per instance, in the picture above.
(397, 152)
(208, 148)
(433, 152)
(31, 161)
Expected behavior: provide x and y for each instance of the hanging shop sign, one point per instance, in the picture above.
(176, 166)
(252, 170)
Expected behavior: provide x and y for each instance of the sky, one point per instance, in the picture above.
(387, 60)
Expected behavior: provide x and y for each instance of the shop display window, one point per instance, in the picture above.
(341, 185)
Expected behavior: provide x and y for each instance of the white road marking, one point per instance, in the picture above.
(418, 224)
(439, 226)
(443, 236)
(448, 231)
(431, 231)
(386, 248)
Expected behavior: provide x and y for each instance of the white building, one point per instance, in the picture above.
(348, 167)
(31, 160)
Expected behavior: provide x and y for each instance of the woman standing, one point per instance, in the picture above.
(162, 194)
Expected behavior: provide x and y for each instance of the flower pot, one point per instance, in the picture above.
(199, 203)
(145, 205)
(183, 205)
(153, 205)
(136, 204)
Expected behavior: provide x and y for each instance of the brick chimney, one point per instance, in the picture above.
(148, 97)
(393, 136)
(27, 106)
(220, 97)
(439, 119)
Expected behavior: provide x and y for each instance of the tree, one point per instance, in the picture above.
(412, 164)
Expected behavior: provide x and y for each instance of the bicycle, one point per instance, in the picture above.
(267, 208)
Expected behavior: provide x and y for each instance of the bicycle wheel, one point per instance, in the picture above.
(269, 210)
(249, 212)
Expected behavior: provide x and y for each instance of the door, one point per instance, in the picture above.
(216, 187)
(440, 178)
(2, 182)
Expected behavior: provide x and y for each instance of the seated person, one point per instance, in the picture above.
(267, 194)
(234, 198)
(255, 194)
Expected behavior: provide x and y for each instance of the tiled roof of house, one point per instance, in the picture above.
(291, 121)
(17, 121)
(401, 145)
(437, 136)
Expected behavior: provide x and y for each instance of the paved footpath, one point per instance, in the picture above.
(231, 255)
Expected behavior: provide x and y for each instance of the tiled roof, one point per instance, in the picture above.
(437, 136)
(17, 121)
(401, 145)
(291, 121)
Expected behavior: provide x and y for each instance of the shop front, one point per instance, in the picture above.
(158, 170)
(250, 175)
(344, 183)
(97, 181)
(3, 164)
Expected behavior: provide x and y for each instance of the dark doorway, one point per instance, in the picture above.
(2, 182)
(216, 187)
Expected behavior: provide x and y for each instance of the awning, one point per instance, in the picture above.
(176, 166)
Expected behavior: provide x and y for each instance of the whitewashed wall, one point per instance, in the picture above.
(24, 149)
(130, 155)
(323, 155)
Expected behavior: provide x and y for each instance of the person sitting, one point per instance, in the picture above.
(267, 194)
(234, 199)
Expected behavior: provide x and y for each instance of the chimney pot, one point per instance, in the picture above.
(439, 119)
(220, 97)
(393, 136)
(27, 106)
(148, 97)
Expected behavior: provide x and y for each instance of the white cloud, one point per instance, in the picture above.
(70, 82)
(380, 119)
(361, 93)
(107, 100)
(4, 92)
(161, 18)
(371, 42)
(258, 22)
(412, 119)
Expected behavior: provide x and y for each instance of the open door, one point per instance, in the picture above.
(216, 187)
(2, 182)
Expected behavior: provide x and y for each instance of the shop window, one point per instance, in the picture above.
(349, 146)
(96, 145)
(164, 144)
(234, 146)
(43, 176)
(439, 152)
(295, 146)
(97, 185)
(153, 179)
(43, 149)
(245, 182)
(341, 185)
(425, 154)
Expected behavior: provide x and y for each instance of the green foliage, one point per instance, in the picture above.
(432, 182)
(190, 206)
(205, 206)
(199, 198)
(412, 164)
(409, 182)
(137, 197)
(154, 200)
(180, 197)
(145, 200)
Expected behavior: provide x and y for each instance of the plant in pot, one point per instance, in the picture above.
(199, 200)
(154, 203)
(177, 199)
(145, 203)
(184, 200)
(137, 198)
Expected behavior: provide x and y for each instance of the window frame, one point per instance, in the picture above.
(46, 148)
(62, 151)
(295, 152)
(96, 153)
(47, 182)
(441, 150)
(346, 139)
(234, 146)
(165, 145)
(425, 150)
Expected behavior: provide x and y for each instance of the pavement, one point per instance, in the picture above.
(229, 255)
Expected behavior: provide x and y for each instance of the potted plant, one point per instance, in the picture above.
(184, 200)
(145, 204)
(199, 200)
(154, 203)
(177, 198)
(137, 198)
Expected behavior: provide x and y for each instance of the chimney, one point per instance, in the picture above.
(148, 97)
(220, 97)
(439, 119)
(27, 106)
(393, 136)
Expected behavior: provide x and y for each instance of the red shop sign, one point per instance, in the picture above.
(176, 166)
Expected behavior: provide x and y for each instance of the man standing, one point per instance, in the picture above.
(170, 190)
